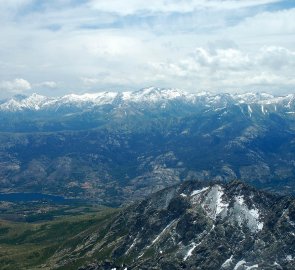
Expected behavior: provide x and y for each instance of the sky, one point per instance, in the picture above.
(75, 46)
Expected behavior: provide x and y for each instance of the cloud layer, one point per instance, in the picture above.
(180, 6)
(66, 46)
(15, 86)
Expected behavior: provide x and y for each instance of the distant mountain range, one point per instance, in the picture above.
(190, 226)
(113, 148)
(149, 96)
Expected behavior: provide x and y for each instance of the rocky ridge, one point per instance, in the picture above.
(194, 226)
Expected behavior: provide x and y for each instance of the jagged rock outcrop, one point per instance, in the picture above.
(198, 226)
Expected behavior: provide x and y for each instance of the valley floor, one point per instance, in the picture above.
(29, 244)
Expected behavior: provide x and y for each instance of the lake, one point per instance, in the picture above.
(29, 197)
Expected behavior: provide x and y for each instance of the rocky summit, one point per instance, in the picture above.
(192, 226)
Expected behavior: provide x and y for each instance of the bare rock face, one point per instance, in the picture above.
(198, 226)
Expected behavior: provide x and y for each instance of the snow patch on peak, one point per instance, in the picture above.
(228, 262)
(255, 266)
(240, 263)
(241, 213)
(213, 203)
(203, 93)
(251, 97)
(97, 98)
(33, 102)
(289, 258)
(153, 94)
(195, 192)
(250, 110)
(127, 95)
(11, 105)
(262, 109)
(220, 206)
(240, 200)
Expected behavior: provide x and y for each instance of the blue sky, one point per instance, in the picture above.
(75, 46)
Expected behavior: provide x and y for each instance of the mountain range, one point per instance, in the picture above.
(114, 148)
(147, 96)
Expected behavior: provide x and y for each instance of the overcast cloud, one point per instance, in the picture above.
(62, 46)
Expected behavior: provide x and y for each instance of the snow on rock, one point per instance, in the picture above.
(251, 97)
(190, 251)
(132, 245)
(193, 245)
(37, 102)
(213, 203)
(153, 95)
(290, 221)
(100, 98)
(291, 98)
(195, 192)
(162, 232)
(33, 102)
(243, 215)
(276, 264)
(262, 109)
(127, 95)
(252, 267)
(150, 95)
(11, 105)
(250, 110)
(228, 262)
(240, 200)
(240, 263)
(220, 206)
(255, 214)
(157, 237)
(289, 258)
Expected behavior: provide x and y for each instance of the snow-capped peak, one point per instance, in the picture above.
(99, 98)
(154, 94)
(252, 97)
(33, 102)
(150, 95)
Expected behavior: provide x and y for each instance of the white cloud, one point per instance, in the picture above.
(14, 4)
(111, 44)
(218, 44)
(15, 86)
(140, 6)
(90, 81)
(268, 68)
(264, 29)
(222, 58)
(276, 57)
(47, 84)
